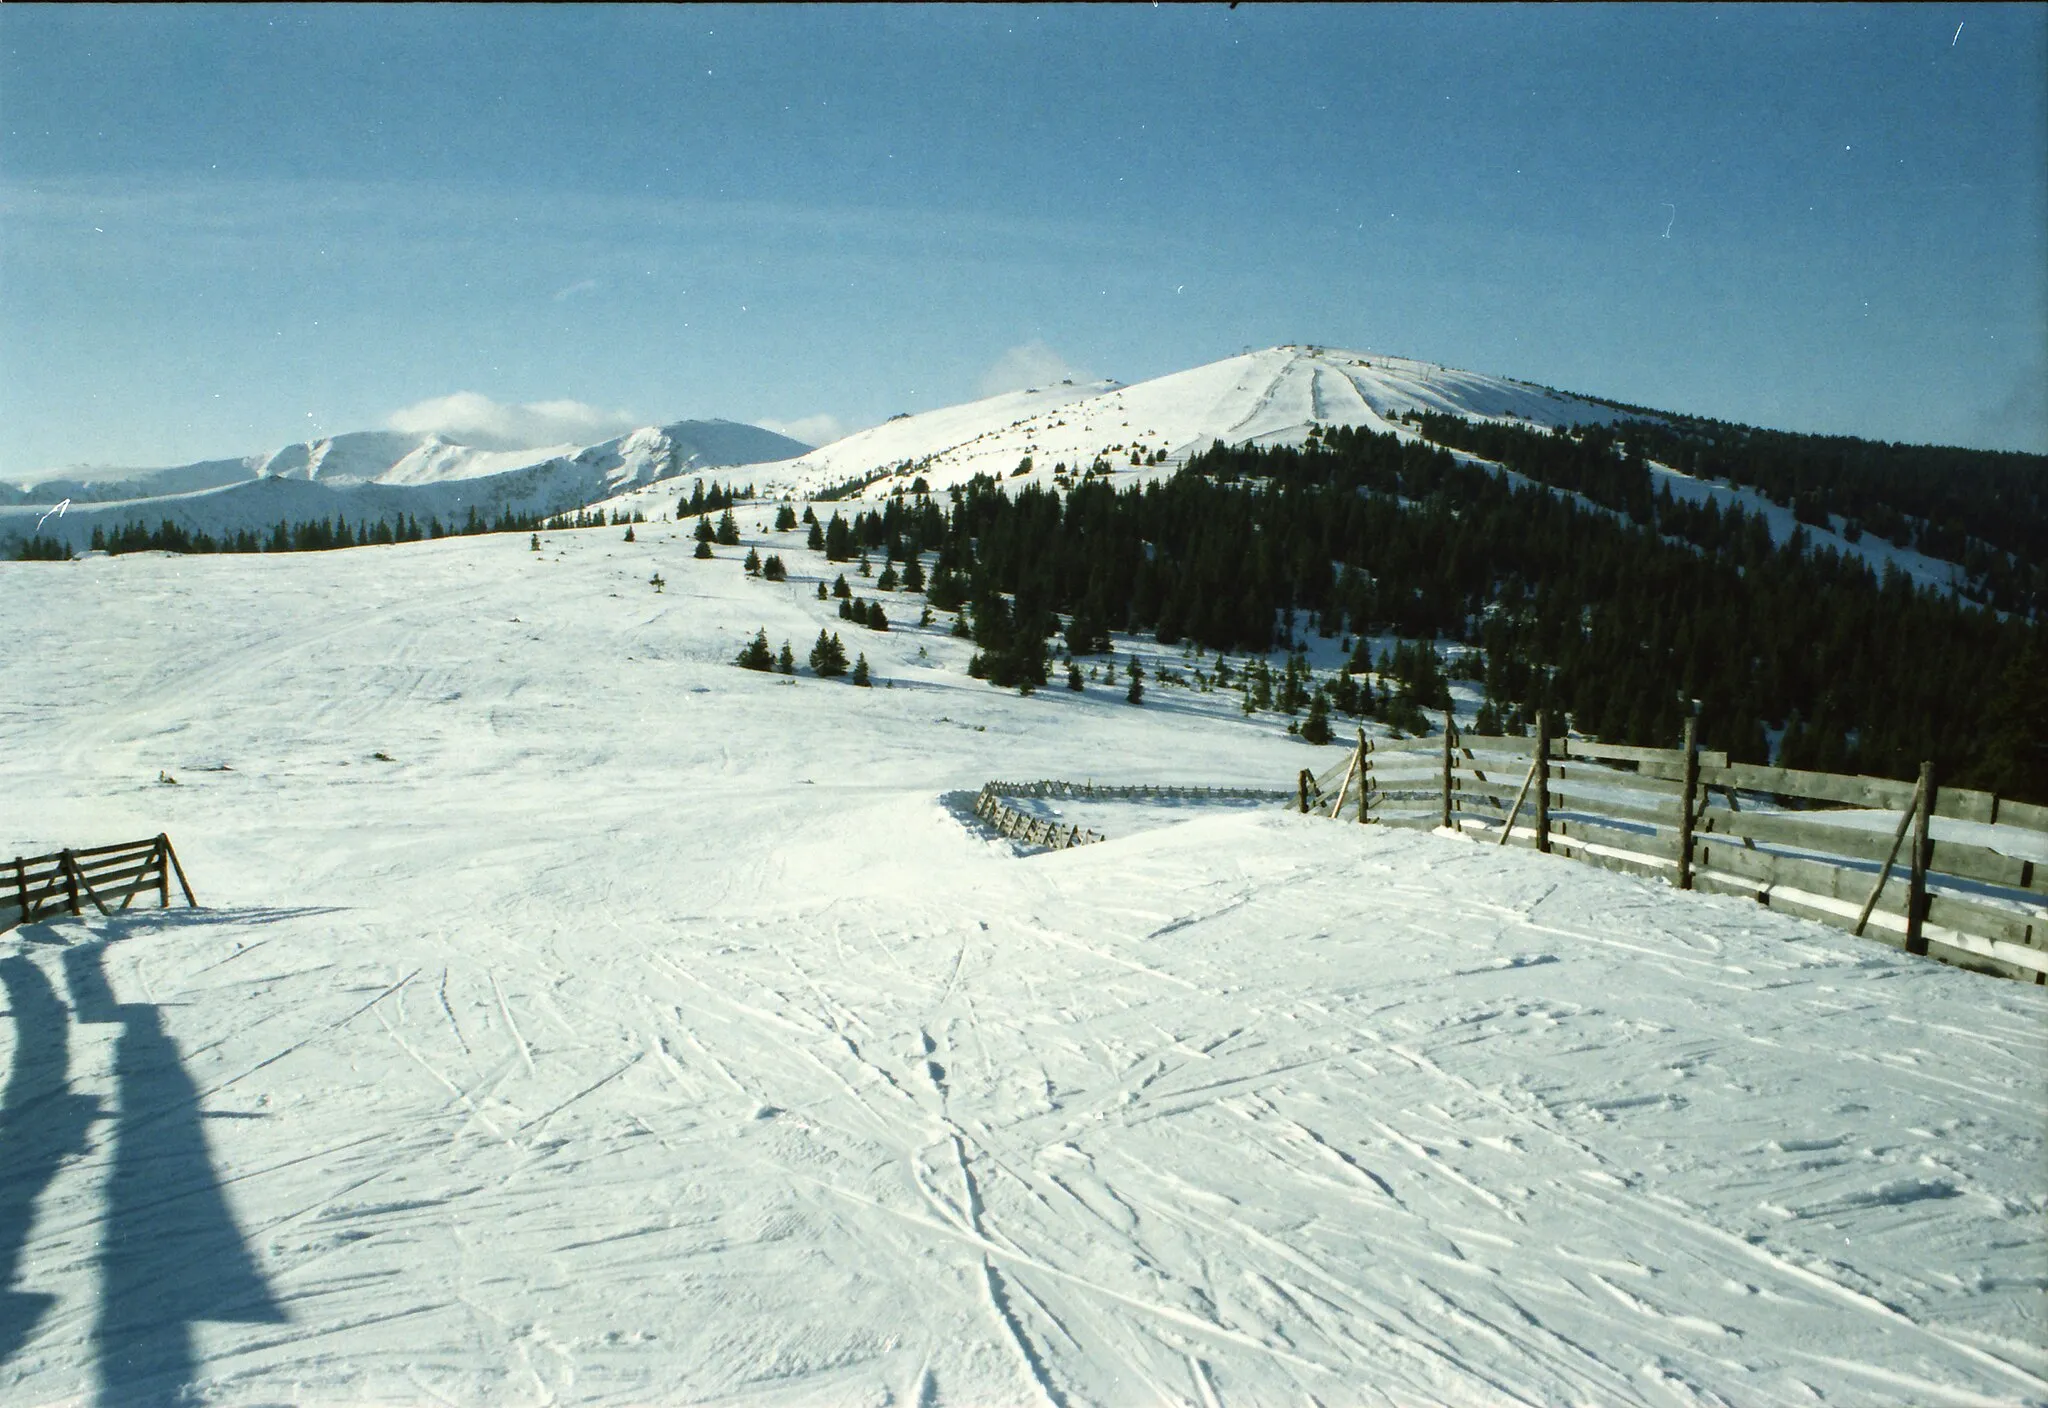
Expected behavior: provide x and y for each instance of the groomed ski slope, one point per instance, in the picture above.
(650, 1031)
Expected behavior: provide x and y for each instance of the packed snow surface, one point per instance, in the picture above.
(637, 1029)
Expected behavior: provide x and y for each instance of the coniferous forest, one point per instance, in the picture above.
(1621, 613)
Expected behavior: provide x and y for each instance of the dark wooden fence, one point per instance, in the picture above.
(1786, 838)
(62, 883)
(1040, 831)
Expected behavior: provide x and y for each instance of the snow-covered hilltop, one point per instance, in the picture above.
(1269, 397)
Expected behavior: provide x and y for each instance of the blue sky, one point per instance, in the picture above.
(224, 229)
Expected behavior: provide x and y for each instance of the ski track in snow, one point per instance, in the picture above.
(645, 1030)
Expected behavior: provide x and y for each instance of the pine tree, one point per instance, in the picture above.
(1136, 693)
(877, 620)
(753, 563)
(823, 595)
(785, 662)
(913, 575)
(860, 672)
(755, 654)
(1316, 729)
(728, 530)
(840, 589)
(703, 550)
(773, 570)
(887, 582)
(815, 540)
(629, 532)
(535, 542)
(828, 656)
(656, 581)
(702, 533)
(785, 518)
(1073, 677)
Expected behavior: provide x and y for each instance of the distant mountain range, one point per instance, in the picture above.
(1051, 435)
(378, 474)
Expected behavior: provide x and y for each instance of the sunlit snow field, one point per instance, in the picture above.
(643, 1030)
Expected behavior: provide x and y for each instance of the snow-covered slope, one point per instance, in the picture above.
(381, 474)
(1268, 397)
(576, 1018)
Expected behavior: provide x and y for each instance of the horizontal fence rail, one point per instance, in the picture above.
(990, 806)
(1799, 841)
(65, 881)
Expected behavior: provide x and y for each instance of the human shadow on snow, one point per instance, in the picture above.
(170, 1253)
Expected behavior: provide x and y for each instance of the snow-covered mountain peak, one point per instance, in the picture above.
(1275, 395)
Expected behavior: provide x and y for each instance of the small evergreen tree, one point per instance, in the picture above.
(703, 550)
(1316, 729)
(773, 570)
(828, 656)
(534, 543)
(924, 617)
(1073, 677)
(1136, 693)
(629, 532)
(815, 539)
(785, 518)
(887, 582)
(656, 581)
(823, 595)
(728, 530)
(785, 662)
(753, 563)
(840, 589)
(877, 619)
(755, 654)
(702, 533)
(860, 672)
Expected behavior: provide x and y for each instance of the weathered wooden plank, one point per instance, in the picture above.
(1664, 847)
(1631, 781)
(1561, 748)
(1813, 832)
(107, 864)
(1599, 800)
(1817, 786)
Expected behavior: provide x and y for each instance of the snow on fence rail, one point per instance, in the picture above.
(1040, 831)
(1799, 841)
(52, 884)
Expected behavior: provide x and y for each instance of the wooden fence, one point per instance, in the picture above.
(57, 884)
(1798, 841)
(1039, 831)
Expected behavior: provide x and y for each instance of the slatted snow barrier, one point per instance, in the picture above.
(1786, 838)
(58, 883)
(1040, 831)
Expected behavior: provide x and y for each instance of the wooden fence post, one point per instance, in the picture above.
(1543, 781)
(1685, 805)
(1923, 852)
(70, 867)
(21, 887)
(1885, 871)
(163, 870)
(1450, 729)
(1303, 782)
(1364, 777)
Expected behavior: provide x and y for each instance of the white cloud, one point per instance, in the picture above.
(1026, 365)
(473, 419)
(580, 286)
(821, 429)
